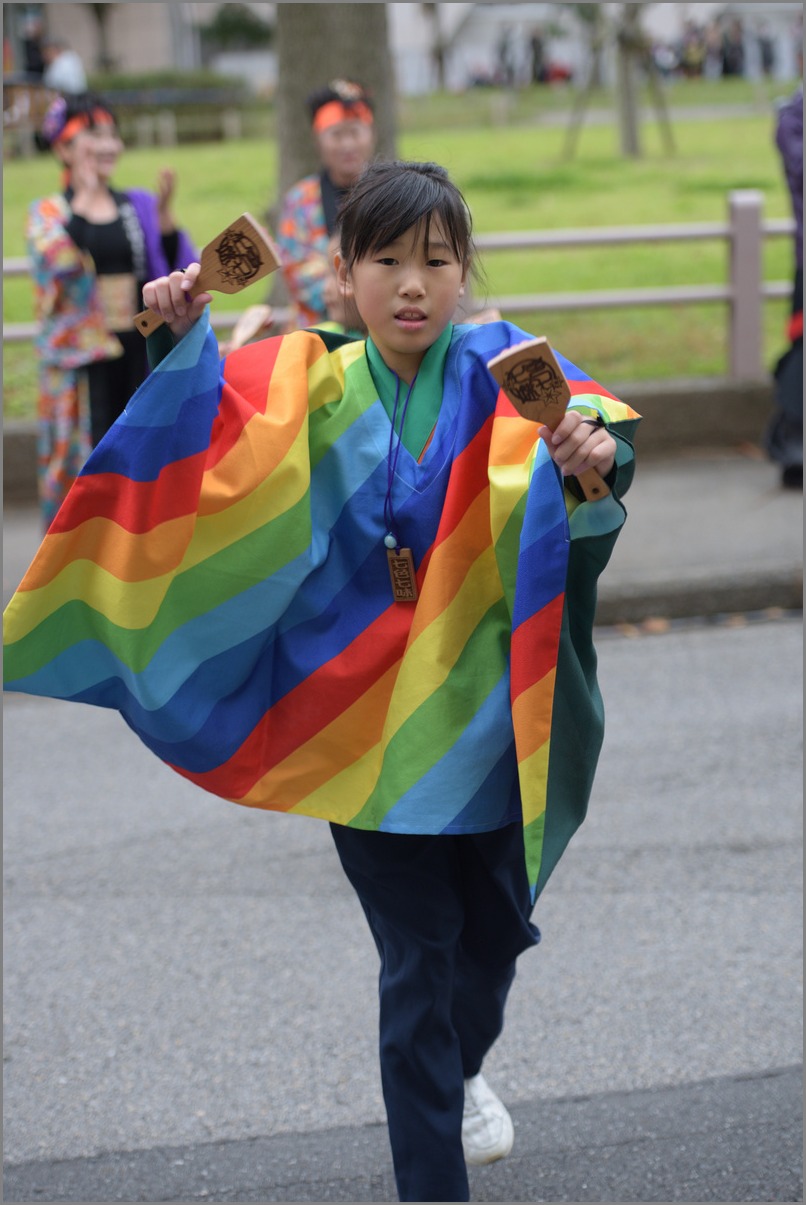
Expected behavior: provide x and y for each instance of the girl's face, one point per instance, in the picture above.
(344, 149)
(100, 145)
(407, 294)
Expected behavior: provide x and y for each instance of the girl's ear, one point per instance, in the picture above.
(342, 275)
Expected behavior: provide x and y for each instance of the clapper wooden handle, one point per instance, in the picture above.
(234, 259)
(535, 384)
(251, 322)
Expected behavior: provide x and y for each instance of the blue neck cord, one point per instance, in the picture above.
(392, 459)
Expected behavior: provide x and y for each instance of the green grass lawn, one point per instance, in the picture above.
(515, 177)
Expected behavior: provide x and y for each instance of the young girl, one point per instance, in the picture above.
(232, 549)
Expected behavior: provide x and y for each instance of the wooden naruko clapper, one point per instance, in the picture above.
(535, 384)
(233, 260)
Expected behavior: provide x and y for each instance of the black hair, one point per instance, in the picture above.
(390, 197)
(65, 108)
(346, 91)
(79, 103)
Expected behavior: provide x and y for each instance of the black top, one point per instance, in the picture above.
(117, 246)
(331, 199)
(106, 242)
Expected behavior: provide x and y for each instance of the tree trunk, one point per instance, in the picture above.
(437, 44)
(104, 59)
(629, 41)
(315, 44)
(597, 39)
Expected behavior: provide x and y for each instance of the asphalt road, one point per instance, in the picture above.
(190, 989)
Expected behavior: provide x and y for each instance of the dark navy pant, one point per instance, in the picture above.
(450, 915)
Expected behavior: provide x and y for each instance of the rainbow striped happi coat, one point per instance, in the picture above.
(218, 575)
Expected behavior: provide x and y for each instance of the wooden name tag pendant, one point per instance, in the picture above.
(535, 384)
(236, 258)
(401, 571)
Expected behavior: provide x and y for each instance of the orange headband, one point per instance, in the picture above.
(336, 111)
(82, 122)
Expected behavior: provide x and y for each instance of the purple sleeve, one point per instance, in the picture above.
(145, 206)
(789, 139)
(789, 136)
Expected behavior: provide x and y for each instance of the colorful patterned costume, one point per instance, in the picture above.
(303, 239)
(218, 574)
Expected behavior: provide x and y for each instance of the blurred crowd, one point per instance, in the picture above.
(721, 48)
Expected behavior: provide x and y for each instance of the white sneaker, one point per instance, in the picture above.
(487, 1131)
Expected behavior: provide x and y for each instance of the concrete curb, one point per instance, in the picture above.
(780, 589)
(697, 413)
(679, 416)
(567, 1149)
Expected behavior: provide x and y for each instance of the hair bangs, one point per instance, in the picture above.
(390, 198)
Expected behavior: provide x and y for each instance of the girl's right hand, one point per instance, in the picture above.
(169, 297)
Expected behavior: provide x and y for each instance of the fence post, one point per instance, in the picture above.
(144, 130)
(231, 126)
(166, 128)
(745, 281)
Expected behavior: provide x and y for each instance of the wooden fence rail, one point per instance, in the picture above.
(744, 293)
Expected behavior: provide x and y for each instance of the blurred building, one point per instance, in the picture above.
(459, 44)
(112, 37)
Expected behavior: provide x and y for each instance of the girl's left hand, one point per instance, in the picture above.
(576, 445)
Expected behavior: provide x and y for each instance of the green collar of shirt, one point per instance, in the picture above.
(426, 397)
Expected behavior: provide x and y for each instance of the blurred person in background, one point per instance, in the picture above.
(692, 53)
(784, 435)
(733, 48)
(343, 317)
(766, 50)
(92, 249)
(64, 71)
(537, 49)
(33, 58)
(343, 127)
(712, 62)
